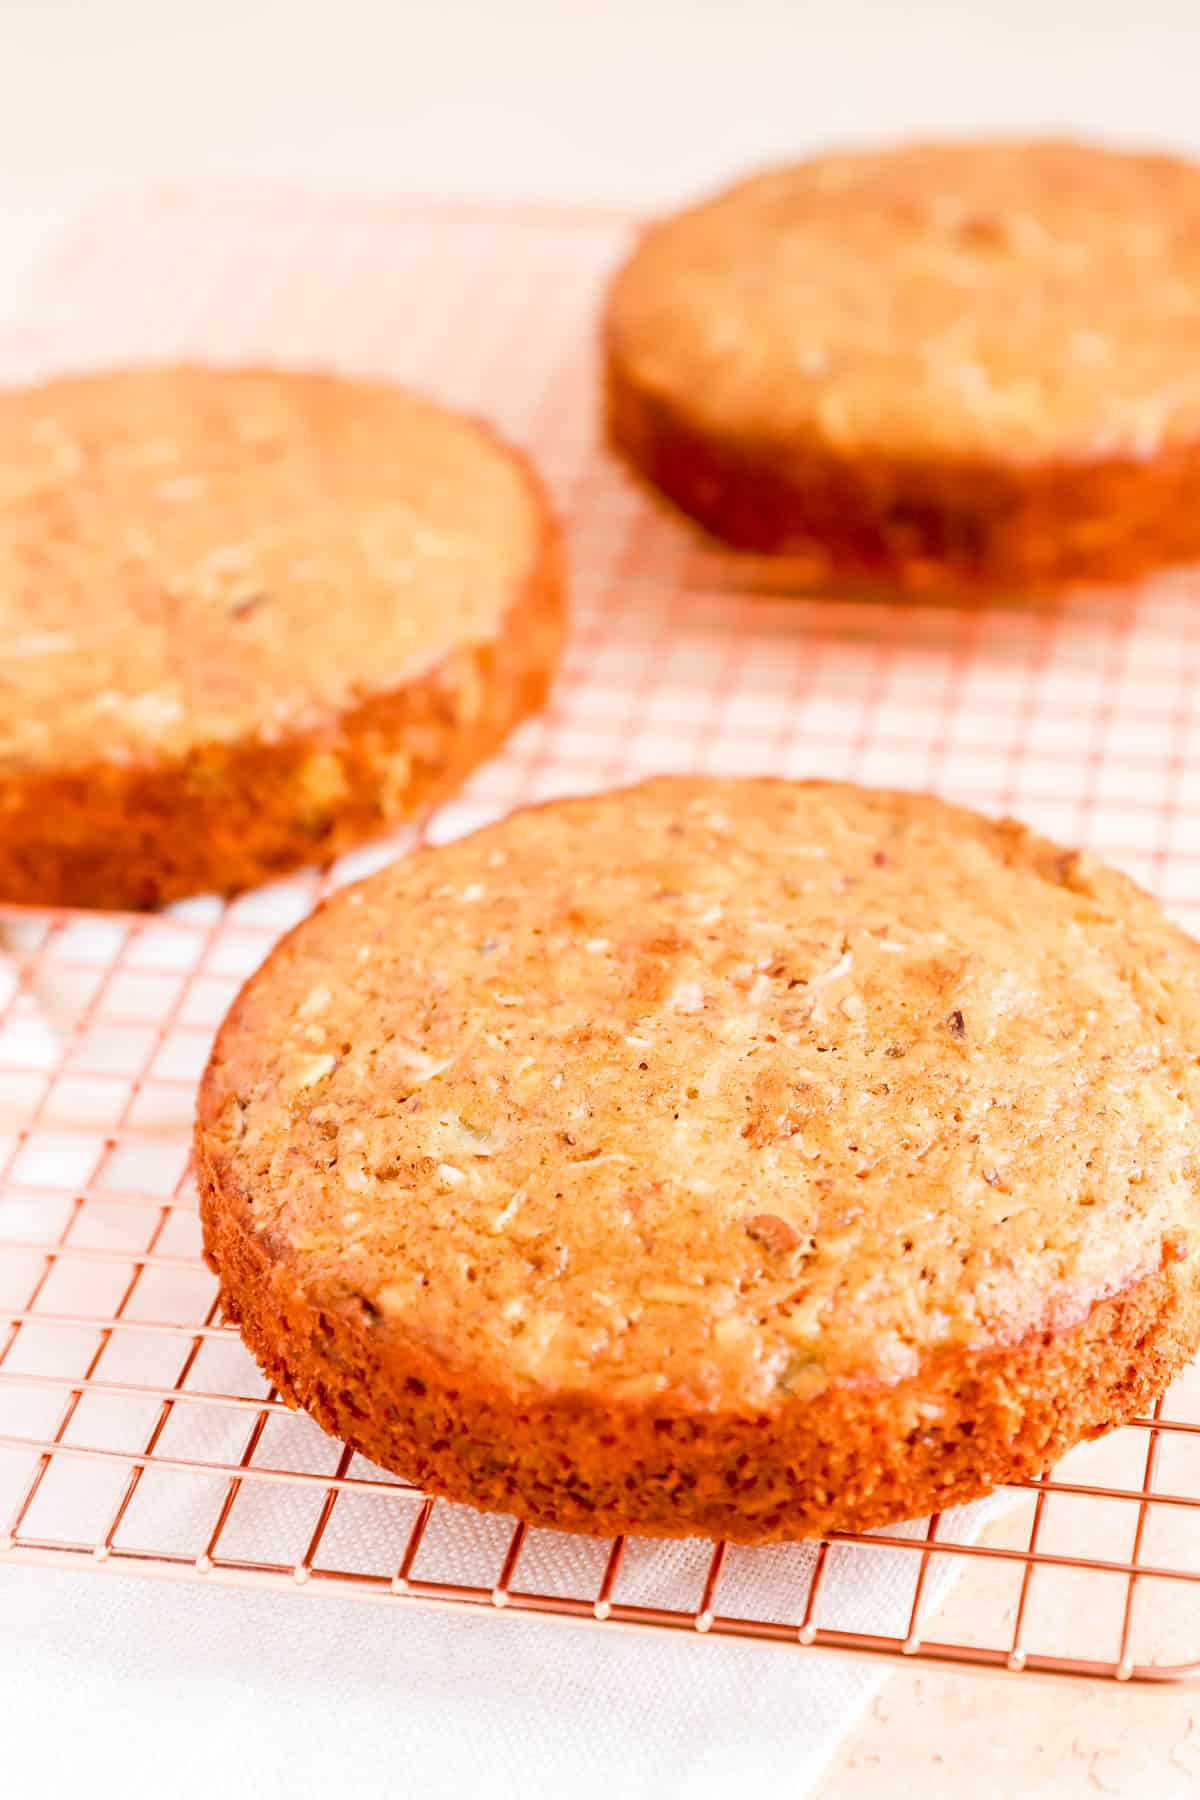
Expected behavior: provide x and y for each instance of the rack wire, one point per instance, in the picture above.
(135, 1433)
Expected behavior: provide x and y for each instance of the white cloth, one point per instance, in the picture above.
(115, 1685)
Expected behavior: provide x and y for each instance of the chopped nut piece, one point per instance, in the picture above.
(353, 1172)
(475, 1139)
(803, 1321)
(775, 1233)
(802, 1373)
(732, 1331)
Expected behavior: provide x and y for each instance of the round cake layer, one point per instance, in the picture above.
(942, 362)
(743, 1157)
(247, 618)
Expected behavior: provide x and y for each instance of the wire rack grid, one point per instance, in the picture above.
(135, 1432)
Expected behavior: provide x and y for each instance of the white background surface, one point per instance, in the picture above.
(545, 98)
(610, 99)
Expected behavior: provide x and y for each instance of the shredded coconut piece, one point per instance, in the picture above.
(502, 1218)
(418, 1062)
(316, 1069)
(688, 997)
(841, 967)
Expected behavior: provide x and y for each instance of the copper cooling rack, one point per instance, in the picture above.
(134, 1431)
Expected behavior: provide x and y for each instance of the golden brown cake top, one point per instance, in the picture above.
(722, 1088)
(190, 555)
(996, 300)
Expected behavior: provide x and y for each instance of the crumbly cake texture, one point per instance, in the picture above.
(937, 364)
(249, 618)
(747, 1158)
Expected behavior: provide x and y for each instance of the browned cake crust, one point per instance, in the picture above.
(249, 619)
(944, 365)
(749, 1158)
